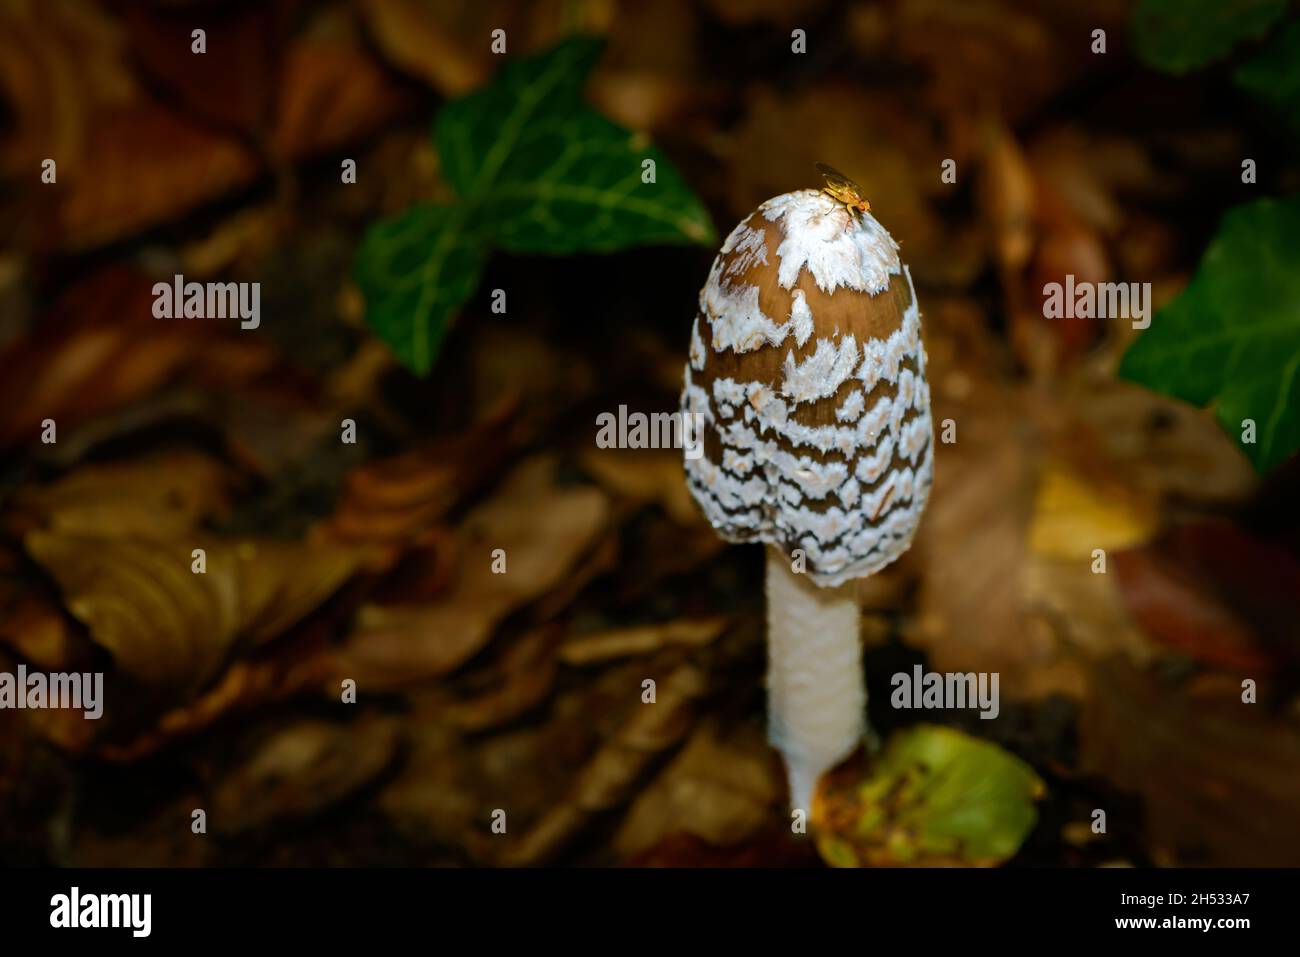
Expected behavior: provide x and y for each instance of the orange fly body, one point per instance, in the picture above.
(842, 189)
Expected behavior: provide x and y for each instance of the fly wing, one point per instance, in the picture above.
(837, 180)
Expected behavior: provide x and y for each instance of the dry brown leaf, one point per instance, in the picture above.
(1025, 493)
(58, 64)
(449, 44)
(721, 789)
(402, 497)
(244, 686)
(996, 53)
(646, 84)
(65, 728)
(610, 775)
(1220, 778)
(1177, 611)
(972, 538)
(156, 496)
(602, 558)
(331, 94)
(301, 769)
(1076, 513)
(647, 100)
(170, 629)
(545, 380)
(124, 161)
(645, 476)
(1166, 447)
(247, 236)
(31, 621)
(1073, 618)
(523, 679)
(1221, 596)
(144, 165)
(1007, 198)
(1030, 609)
(543, 530)
(1064, 158)
(99, 349)
(436, 797)
(231, 86)
(447, 790)
(416, 38)
(35, 628)
(602, 646)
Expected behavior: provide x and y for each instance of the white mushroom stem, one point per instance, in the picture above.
(816, 694)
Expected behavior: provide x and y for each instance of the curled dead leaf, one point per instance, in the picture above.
(58, 64)
(609, 776)
(418, 38)
(721, 789)
(401, 497)
(301, 769)
(640, 640)
(1212, 592)
(144, 165)
(532, 531)
(331, 94)
(644, 476)
(1007, 195)
(156, 496)
(522, 680)
(81, 365)
(170, 629)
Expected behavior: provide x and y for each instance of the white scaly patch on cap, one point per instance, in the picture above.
(750, 245)
(820, 374)
(801, 317)
(871, 467)
(736, 463)
(698, 353)
(882, 357)
(729, 391)
(852, 407)
(737, 320)
(740, 324)
(813, 479)
(837, 247)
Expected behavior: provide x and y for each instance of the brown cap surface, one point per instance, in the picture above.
(807, 368)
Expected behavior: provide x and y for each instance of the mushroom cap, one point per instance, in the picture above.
(807, 367)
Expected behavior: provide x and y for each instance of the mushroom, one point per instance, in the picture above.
(807, 378)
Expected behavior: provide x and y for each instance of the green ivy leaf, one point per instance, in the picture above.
(536, 171)
(1274, 75)
(479, 134)
(587, 195)
(1232, 338)
(1178, 36)
(935, 796)
(415, 270)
